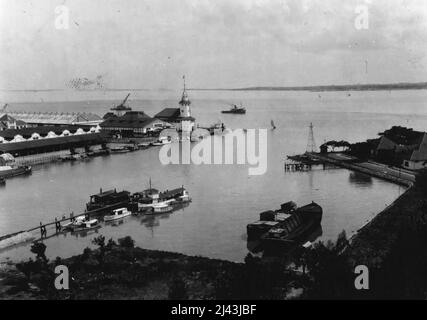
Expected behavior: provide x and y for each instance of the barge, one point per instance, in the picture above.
(269, 219)
(106, 201)
(294, 228)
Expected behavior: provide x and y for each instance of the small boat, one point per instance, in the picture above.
(118, 214)
(144, 145)
(235, 110)
(161, 208)
(162, 141)
(78, 222)
(133, 147)
(119, 150)
(99, 152)
(87, 225)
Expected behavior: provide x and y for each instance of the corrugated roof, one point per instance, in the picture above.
(55, 117)
(9, 134)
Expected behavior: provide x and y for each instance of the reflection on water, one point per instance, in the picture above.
(360, 179)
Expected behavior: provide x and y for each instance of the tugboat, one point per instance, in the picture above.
(293, 228)
(235, 109)
(8, 168)
(108, 200)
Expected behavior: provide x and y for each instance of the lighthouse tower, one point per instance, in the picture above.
(187, 121)
(185, 103)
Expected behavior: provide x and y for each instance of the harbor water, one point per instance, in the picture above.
(225, 198)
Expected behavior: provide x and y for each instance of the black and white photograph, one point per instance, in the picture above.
(213, 150)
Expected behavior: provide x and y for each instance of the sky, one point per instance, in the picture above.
(215, 43)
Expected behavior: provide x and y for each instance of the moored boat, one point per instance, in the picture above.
(119, 150)
(152, 197)
(87, 225)
(269, 219)
(117, 214)
(294, 227)
(160, 208)
(162, 141)
(108, 200)
(9, 168)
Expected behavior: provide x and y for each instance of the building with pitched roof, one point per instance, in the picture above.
(132, 123)
(418, 158)
(9, 122)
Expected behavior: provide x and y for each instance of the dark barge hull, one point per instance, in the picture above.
(295, 228)
(108, 208)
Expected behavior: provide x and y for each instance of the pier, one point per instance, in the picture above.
(381, 171)
(297, 166)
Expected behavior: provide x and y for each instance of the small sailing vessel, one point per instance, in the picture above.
(273, 126)
(117, 214)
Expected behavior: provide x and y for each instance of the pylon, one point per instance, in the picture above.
(311, 144)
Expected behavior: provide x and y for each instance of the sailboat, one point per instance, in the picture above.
(272, 125)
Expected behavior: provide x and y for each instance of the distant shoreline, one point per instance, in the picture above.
(352, 87)
(322, 88)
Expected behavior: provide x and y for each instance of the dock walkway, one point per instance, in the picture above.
(378, 170)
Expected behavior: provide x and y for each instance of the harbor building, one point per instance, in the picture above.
(418, 158)
(180, 118)
(132, 123)
(35, 119)
(29, 141)
(9, 122)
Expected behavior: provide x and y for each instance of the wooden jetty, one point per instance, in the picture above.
(295, 166)
(43, 227)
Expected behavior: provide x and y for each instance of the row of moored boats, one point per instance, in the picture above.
(113, 205)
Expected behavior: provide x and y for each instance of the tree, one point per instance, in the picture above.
(127, 242)
(39, 249)
(100, 242)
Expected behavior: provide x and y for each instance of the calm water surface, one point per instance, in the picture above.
(225, 197)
